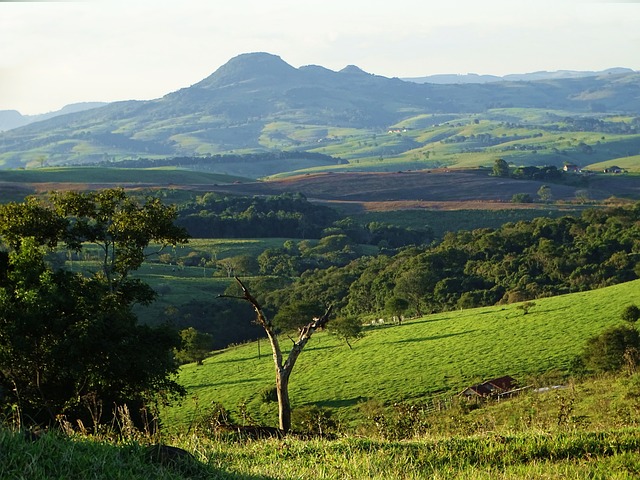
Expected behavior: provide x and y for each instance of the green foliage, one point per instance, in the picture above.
(120, 227)
(70, 345)
(346, 328)
(611, 349)
(297, 314)
(312, 420)
(396, 306)
(286, 215)
(500, 168)
(631, 313)
(544, 193)
(516, 262)
(526, 306)
(521, 198)
(195, 346)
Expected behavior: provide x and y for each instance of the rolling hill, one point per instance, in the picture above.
(257, 102)
(436, 354)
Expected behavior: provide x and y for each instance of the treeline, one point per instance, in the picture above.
(517, 262)
(286, 215)
(545, 173)
(190, 161)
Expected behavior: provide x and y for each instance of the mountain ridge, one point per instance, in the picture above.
(246, 103)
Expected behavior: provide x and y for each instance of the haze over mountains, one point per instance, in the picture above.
(13, 119)
(515, 77)
(257, 102)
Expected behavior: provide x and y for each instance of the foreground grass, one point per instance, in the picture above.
(437, 354)
(611, 455)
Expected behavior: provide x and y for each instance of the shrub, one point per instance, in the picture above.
(521, 198)
(631, 313)
(269, 395)
(612, 349)
(313, 420)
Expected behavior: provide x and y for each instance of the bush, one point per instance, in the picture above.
(313, 420)
(269, 395)
(521, 198)
(612, 349)
(631, 313)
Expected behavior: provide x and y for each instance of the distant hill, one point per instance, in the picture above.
(257, 102)
(515, 77)
(13, 119)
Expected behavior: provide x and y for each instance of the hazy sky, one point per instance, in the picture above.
(56, 53)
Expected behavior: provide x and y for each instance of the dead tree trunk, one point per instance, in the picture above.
(283, 367)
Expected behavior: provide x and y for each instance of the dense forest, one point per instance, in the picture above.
(517, 262)
(286, 216)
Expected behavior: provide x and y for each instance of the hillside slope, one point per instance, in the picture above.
(437, 354)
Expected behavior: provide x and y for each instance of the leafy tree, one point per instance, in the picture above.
(294, 315)
(194, 347)
(119, 225)
(396, 306)
(69, 342)
(606, 352)
(521, 198)
(500, 168)
(544, 193)
(346, 328)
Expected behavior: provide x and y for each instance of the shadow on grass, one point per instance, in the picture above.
(41, 458)
(231, 382)
(434, 337)
(343, 402)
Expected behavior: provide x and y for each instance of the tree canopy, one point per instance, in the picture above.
(70, 344)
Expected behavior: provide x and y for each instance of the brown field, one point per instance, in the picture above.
(434, 190)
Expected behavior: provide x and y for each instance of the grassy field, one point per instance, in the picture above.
(514, 439)
(437, 354)
(569, 455)
(88, 175)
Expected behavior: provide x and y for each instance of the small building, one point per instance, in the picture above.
(494, 388)
(613, 169)
(570, 167)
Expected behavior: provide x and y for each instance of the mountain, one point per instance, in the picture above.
(13, 119)
(445, 78)
(257, 102)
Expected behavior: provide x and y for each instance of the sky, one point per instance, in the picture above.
(55, 53)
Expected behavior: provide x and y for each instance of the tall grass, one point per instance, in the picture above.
(611, 455)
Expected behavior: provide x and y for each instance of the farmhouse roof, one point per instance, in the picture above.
(495, 386)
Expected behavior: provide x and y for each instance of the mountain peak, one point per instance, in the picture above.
(247, 67)
(354, 70)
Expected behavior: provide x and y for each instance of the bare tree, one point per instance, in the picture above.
(283, 367)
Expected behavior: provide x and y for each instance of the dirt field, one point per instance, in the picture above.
(443, 189)
(435, 190)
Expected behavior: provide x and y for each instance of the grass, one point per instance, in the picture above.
(631, 164)
(434, 354)
(113, 175)
(570, 455)
(589, 429)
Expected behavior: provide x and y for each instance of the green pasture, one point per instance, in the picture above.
(436, 354)
(166, 176)
(630, 164)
